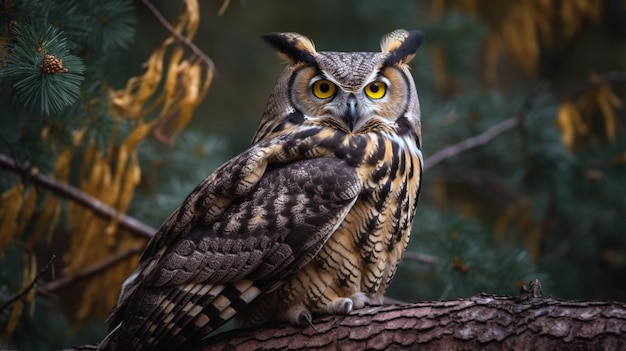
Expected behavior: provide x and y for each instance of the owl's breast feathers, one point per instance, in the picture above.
(361, 256)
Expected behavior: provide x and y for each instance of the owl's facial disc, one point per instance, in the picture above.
(363, 103)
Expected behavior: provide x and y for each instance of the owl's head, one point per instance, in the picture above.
(355, 92)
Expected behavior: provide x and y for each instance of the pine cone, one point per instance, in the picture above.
(52, 65)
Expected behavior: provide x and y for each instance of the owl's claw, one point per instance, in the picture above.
(345, 305)
(305, 317)
(299, 315)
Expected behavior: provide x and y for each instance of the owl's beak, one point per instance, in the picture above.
(352, 114)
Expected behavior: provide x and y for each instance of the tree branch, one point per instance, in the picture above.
(514, 121)
(25, 291)
(181, 38)
(420, 257)
(65, 281)
(98, 207)
(472, 142)
(488, 134)
(483, 322)
(223, 8)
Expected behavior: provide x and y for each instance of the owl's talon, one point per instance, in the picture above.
(360, 300)
(341, 306)
(347, 306)
(305, 317)
(298, 315)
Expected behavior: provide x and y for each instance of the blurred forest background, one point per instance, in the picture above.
(523, 122)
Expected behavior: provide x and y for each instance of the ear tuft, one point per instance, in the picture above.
(292, 46)
(401, 45)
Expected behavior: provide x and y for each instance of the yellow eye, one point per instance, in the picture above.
(323, 89)
(376, 90)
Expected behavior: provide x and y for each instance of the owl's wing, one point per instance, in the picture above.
(258, 218)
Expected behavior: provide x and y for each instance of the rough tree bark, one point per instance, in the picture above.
(483, 322)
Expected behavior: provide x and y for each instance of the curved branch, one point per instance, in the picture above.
(483, 322)
(472, 142)
(181, 38)
(31, 285)
(420, 257)
(517, 120)
(490, 133)
(98, 207)
(65, 281)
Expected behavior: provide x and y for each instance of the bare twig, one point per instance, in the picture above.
(223, 8)
(472, 142)
(514, 121)
(98, 207)
(490, 133)
(181, 38)
(25, 291)
(92, 270)
(420, 257)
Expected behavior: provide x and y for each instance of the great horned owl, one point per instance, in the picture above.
(312, 219)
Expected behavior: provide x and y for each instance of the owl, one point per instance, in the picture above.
(312, 219)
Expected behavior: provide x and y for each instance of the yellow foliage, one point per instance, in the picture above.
(18, 206)
(459, 265)
(574, 13)
(443, 82)
(16, 313)
(571, 124)
(530, 24)
(613, 256)
(436, 8)
(12, 200)
(526, 27)
(519, 35)
(47, 220)
(174, 83)
(607, 102)
(520, 215)
(101, 292)
(471, 6)
(112, 178)
(185, 82)
(29, 275)
(576, 118)
(188, 89)
(493, 53)
(439, 192)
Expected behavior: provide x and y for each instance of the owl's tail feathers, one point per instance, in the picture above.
(203, 312)
(109, 343)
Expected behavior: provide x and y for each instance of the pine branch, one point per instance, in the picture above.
(98, 207)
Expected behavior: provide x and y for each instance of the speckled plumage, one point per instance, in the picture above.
(312, 219)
